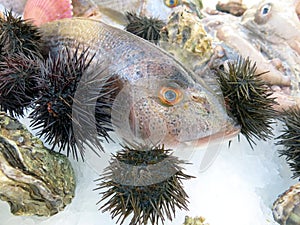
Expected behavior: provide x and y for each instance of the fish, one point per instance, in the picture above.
(115, 9)
(229, 29)
(83, 8)
(274, 26)
(267, 19)
(157, 100)
(110, 12)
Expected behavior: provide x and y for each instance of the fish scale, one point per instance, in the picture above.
(142, 70)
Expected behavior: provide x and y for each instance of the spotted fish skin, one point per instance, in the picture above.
(159, 99)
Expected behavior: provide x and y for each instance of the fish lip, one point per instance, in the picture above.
(227, 133)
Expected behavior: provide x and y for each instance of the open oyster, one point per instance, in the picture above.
(33, 179)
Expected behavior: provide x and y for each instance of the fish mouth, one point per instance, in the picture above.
(228, 132)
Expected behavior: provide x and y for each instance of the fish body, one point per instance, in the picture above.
(274, 26)
(110, 12)
(273, 20)
(158, 100)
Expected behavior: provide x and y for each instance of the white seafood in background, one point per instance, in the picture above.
(277, 28)
(259, 36)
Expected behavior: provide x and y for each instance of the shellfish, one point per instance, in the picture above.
(286, 209)
(33, 179)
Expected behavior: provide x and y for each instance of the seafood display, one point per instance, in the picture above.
(206, 77)
(146, 76)
(33, 180)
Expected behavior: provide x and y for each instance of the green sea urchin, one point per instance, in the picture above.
(19, 36)
(145, 27)
(248, 99)
(145, 183)
(290, 139)
(53, 111)
(18, 80)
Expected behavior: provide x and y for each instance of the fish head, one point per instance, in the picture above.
(272, 20)
(173, 108)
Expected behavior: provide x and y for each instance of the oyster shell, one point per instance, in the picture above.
(185, 37)
(194, 221)
(286, 209)
(33, 179)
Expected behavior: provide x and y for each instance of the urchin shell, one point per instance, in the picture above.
(52, 114)
(18, 80)
(19, 36)
(145, 27)
(248, 99)
(145, 182)
(290, 139)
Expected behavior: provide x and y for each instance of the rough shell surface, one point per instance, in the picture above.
(185, 34)
(286, 209)
(195, 221)
(33, 179)
(186, 39)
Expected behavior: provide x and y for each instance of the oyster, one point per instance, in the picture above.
(286, 209)
(33, 179)
(185, 37)
(194, 221)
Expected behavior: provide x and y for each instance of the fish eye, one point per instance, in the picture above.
(266, 9)
(263, 14)
(171, 3)
(170, 95)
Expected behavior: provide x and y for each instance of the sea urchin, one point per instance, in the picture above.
(144, 182)
(145, 27)
(248, 99)
(18, 80)
(290, 139)
(19, 36)
(52, 114)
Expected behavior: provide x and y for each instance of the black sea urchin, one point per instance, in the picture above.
(19, 36)
(290, 139)
(248, 99)
(53, 113)
(145, 27)
(144, 182)
(18, 80)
